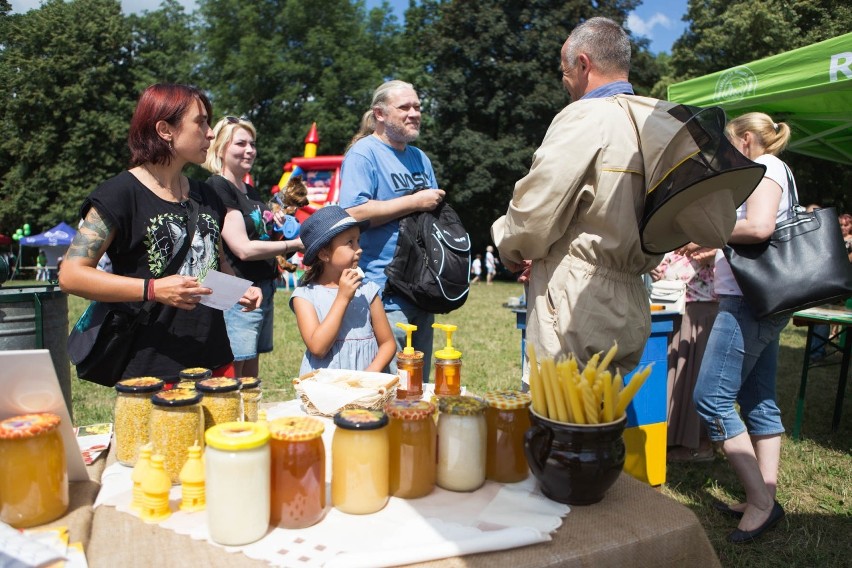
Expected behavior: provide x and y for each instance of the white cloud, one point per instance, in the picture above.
(645, 27)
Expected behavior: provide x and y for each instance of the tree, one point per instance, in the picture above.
(494, 89)
(64, 107)
(287, 63)
(724, 33)
(165, 48)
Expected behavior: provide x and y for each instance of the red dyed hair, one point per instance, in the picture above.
(163, 101)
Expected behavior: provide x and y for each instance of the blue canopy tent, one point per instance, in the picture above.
(54, 242)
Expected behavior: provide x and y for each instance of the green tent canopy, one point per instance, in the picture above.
(809, 88)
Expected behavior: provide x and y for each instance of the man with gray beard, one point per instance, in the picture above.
(384, 178)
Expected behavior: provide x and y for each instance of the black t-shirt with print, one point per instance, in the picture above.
(252, 208)
(149, 231)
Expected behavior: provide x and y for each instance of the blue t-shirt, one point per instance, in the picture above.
(372, 170)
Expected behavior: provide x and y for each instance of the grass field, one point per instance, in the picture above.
(815, 485)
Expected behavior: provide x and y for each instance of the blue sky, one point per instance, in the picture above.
(658, 20)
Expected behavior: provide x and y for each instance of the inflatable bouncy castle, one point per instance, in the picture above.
(319, 174)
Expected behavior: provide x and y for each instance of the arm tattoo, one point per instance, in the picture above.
(91, 237)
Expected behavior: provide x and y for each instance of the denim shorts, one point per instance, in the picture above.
(250, 333)
(739, 366)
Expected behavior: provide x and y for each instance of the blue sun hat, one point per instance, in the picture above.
(322, 226)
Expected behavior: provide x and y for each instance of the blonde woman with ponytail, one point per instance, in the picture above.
(740, 363)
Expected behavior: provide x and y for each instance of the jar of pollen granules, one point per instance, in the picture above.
(188, 377)
(176, 424)
(221, 401)
(132, 416)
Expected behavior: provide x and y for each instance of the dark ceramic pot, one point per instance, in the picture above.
(575, 463)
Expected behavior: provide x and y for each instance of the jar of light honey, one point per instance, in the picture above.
(298, 471)
(132, 416)
(33, 471)
(359, 461)
(221, 401)
(413, 439)
(176, 424)
(236, 473)
(461, 443)
(250, 394)
(508, 420)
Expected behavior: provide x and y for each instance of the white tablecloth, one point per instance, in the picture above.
(443, 524)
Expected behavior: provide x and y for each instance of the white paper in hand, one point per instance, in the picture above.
(227, 290)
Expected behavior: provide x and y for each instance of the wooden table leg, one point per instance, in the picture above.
(800, 402)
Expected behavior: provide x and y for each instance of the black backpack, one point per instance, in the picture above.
(431, 263)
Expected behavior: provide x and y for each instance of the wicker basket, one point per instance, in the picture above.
(383, 392)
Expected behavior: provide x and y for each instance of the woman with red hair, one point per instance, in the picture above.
(141, 218)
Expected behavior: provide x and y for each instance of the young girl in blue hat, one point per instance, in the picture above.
(341, 318)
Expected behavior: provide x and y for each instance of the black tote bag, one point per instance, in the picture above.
(103, 339)
(803, 264)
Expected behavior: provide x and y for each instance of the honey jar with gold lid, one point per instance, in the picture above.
(33, 470)
(413, 439)
(507, 418)
(298, 471)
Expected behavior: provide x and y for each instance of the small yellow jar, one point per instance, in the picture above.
(359, 461)
(251, 395)
(132, 415)
(221, 402)
(176, 424)
(33, 471)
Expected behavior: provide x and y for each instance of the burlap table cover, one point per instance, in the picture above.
(81, 497)
(635, 525)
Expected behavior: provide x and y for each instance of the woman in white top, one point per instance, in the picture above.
(741, 359)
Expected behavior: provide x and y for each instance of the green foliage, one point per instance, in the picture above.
(71, 71)
(63, 105)
(493, 89)
(724, 33)
(286, 63)
(165, 48)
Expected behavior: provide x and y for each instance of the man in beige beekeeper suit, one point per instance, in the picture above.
(576, 214)
(618, 181)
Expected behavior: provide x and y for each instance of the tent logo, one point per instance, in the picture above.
(735, 84)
